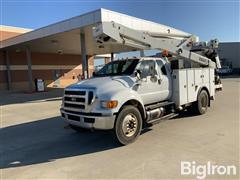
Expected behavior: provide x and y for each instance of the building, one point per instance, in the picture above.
(229, 53)
(62, 52)
(56, 69)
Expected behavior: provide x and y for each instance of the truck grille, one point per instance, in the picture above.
(79, 106)
(77, 100)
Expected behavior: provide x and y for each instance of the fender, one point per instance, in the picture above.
(129, 97)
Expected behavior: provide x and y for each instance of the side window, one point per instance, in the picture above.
(147, 68)
(162, 67)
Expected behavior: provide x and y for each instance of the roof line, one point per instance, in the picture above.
(74, 23)
(50, 25)
(65, 20)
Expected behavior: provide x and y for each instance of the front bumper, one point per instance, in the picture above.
(89, 120)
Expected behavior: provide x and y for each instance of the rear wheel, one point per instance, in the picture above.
(201, 105)
(128, 125)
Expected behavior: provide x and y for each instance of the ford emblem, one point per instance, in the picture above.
(74, 99)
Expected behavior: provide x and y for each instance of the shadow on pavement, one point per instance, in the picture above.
(8, 97)
(46, 140)
(185, 114)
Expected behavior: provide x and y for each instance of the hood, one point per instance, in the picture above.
(105, 84)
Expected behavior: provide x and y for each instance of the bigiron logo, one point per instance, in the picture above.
(201, 171)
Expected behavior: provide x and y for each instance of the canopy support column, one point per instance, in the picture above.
(29, 61)
(84, 56)
(112, 57)
(9, 79)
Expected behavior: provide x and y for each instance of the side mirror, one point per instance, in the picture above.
(138, 74)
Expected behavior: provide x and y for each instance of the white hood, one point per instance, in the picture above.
(105, 84)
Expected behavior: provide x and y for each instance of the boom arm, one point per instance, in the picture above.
(180, 46)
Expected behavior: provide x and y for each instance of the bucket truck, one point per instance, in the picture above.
(125, 95)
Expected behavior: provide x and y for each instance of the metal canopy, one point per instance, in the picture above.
(64, 37)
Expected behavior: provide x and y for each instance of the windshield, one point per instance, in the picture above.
(121, 67)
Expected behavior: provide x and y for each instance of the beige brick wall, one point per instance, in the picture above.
(57, 70)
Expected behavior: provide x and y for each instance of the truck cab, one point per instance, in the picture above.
(95, 102)
(154, 79)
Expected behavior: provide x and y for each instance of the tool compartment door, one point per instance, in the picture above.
(179, 77)
(187, 82)
(191, 92)
(206, 77)
(212, 82)
(198, 80)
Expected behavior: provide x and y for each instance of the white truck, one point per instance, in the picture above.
(127, 94)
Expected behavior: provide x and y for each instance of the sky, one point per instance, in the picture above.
(207, 19)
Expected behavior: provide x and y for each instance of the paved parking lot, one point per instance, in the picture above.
(36, 144)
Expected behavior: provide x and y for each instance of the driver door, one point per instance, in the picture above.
(149, 83)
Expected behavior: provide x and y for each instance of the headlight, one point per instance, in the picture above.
(109, 104)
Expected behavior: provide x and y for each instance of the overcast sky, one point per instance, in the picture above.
(206, 18)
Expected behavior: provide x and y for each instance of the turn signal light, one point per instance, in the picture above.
(110, 104)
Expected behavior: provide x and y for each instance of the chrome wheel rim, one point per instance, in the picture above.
(129, 125)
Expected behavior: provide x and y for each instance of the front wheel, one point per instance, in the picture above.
(128, 125)
(201, 105)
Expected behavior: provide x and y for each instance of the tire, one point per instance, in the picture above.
(128, 125)
(76, 128)
(201, 105)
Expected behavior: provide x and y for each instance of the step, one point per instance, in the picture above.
(166, 117)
